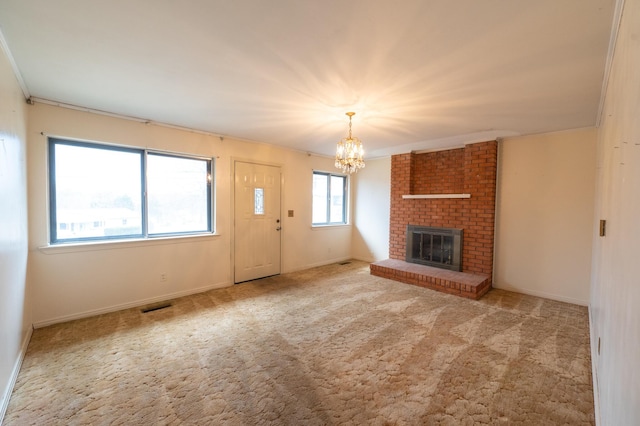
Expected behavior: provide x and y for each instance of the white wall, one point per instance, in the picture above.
(371, 188)
(79, 281)
(615, 289)
(544, 214)
(15, 316)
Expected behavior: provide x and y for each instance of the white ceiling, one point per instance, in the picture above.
(420, 74)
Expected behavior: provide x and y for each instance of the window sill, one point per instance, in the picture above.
(77, 247)
(330, 226)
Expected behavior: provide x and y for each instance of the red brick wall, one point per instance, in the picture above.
(469, 170)
(439, 172)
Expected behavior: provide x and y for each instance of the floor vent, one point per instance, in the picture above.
(345, 263)
(155, 308)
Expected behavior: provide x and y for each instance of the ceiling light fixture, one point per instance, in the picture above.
(349, 152)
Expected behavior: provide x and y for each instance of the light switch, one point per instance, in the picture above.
(290, 213)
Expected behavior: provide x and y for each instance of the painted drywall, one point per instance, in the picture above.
(71, 282)
(15, 315)
(544, 215)
(615, 289)
(371, 192)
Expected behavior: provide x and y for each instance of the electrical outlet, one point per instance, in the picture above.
(163, 277)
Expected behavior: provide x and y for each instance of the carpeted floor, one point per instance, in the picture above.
(327, 346)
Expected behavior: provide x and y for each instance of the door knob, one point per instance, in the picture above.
(278, 228)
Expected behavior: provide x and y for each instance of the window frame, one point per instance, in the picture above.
(345, 199)
(54, 240)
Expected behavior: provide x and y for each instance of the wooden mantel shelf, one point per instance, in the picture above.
(436, 196)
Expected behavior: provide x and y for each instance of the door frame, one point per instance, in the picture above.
(232, 190)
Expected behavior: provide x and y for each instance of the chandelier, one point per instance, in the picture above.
(349, 152)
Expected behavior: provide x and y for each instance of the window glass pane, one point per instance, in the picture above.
(329, 199)
(320, 188)
(337, 199)
(258, 201)
(97, 192)
(177, 194)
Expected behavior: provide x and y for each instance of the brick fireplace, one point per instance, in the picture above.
(453, 188)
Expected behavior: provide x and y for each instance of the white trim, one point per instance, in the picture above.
(543, 295)
(14, 374)
(75, 247)
(317, 264)
(16, 71)
(543, 133)
(330, 226)
(615, 28)
(417, 196)
(137, 303)
(448, 148)
(124, 117)
(367, 259)
(594, 369)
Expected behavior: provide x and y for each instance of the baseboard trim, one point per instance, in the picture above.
(542, 294)
(14, 374)
(367, 260)
(315, 265)
(594, 371)
(135, 304)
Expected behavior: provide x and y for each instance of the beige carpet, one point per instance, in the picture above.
(327, 346)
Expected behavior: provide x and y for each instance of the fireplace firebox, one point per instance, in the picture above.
(438, 247)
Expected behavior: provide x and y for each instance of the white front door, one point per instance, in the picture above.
(257, 221)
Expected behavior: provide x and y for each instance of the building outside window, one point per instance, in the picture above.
(102, 192)
(329, 199)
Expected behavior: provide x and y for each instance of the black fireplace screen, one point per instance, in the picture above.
(439, 247)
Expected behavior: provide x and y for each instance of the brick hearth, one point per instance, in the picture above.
(472, 286)
(469, 170)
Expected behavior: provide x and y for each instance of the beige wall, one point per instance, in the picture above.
(71, 282)
(15, 316)
(544, 216)
(615, 291)
(371, 189)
